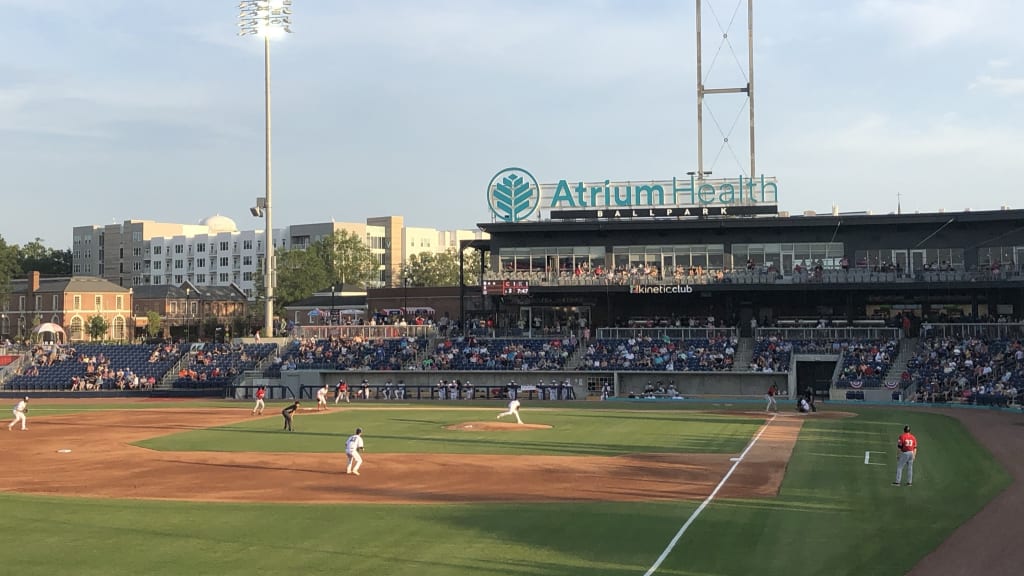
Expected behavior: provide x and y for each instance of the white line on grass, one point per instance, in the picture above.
(704, 504)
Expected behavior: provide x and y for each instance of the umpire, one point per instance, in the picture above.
(287, 413)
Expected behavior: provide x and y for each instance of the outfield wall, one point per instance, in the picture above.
(584, 383)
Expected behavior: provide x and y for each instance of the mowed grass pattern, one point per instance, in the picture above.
(573, 432)
(835, 515)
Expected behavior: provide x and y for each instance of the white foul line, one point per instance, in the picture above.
(704, 504)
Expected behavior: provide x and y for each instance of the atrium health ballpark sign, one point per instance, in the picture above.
(514, 195)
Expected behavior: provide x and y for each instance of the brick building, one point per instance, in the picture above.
(70, 302)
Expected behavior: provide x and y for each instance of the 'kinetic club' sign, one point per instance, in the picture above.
(657, 289)
(514, 195)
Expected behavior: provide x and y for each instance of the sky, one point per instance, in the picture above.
(153, 109)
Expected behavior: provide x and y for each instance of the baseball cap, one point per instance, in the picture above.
(359, 430)
(906, 428)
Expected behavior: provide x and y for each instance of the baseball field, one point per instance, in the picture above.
(616, 488)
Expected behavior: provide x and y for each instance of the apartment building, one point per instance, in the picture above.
(215, 252)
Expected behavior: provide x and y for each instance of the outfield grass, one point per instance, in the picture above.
(574, 432)
(835, 515)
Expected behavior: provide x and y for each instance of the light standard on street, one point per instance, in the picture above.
(188, 293)
(266, 18)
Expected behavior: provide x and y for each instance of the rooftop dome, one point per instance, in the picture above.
(218, 223)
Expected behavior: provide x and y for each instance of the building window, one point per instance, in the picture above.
(39, 302)
(77, 302)
(99, 302)
(137, 252)
(224, 277)
(201, 248)
(137, 266)
(246, 260)
(21, 303)
(247, 244)
(179, 249)
(119, 332)
(56, 302)
(120, 302)
(76, 329)
(247, 276)
(224, 261)
(157, 264)
(224, 246)
(158, 250)
(179, 264)
(201, 278)
(201, 263)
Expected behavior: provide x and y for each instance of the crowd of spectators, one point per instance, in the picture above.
(350, 354)
(472, 353)
(867, 362)
(948, 369)
(646, 353)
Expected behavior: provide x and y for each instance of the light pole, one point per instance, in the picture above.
(188, 293)
(266, 18)
(405, 295)
(330, 319)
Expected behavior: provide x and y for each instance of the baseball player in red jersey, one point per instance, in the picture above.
(261, 392)
(770, 397)
(907, 445)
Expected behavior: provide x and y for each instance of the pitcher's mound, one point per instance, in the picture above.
(493, 426)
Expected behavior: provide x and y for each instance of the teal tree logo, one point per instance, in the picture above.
(513, 195)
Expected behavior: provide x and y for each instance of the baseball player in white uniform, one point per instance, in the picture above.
(353, 447)
(321, 397)
(513, 410)
(19, 414)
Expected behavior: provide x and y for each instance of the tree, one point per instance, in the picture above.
(349, 261)
(154, 324)
(432, 269)
(97, 327)
(441, 269)
(47, 261)
(8, 268)
(299, 274)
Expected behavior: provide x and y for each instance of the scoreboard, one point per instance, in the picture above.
(506, 287)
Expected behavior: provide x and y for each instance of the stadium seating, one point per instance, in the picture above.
(501, 354)
(99, 365)
(348, 354)
(697, 354)
(217, 365)
(967, 369)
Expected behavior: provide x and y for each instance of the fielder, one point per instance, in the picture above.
(907, 445)
(513, 410)
(20, 409)
(353, 446)
(321, 397)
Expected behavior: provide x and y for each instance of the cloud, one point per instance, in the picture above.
(1002, 86)
(998, 63)
(933, 23)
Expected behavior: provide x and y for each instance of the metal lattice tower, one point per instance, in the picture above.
(703, 76)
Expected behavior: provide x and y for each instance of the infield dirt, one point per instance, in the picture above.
(103, 463)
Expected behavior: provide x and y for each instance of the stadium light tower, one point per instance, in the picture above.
(267, 19)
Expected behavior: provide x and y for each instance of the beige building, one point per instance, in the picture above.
(214, 252)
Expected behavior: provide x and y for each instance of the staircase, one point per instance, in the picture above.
(908, 347)
(743, 355)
